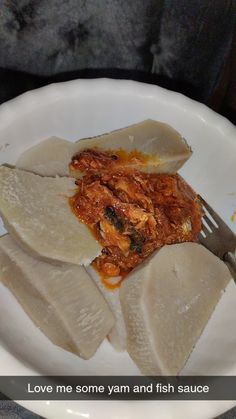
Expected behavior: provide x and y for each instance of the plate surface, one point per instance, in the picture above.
(84, 108)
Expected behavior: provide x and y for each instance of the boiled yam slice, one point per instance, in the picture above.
(117, 335)
(167, 149)
(167, 302)
(36, 212)
(50, 157)
(62, 301)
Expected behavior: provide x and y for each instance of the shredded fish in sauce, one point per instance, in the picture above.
(131, 213)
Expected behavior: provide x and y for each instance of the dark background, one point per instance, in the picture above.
(184, 45)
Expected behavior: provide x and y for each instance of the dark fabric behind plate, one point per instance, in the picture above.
(178, 44)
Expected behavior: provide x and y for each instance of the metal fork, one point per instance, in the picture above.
(217, 237)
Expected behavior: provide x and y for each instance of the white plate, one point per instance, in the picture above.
(85, 108)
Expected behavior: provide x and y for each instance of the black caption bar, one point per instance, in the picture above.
(118, 388)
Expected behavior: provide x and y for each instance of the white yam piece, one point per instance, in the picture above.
(117, 335)
(50, 157)
(167, 149)
(167, 302)
(62, 301)
(36, 212)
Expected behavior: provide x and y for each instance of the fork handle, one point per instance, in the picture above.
(230, 259)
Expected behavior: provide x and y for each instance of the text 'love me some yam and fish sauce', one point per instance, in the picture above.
(131, 213)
